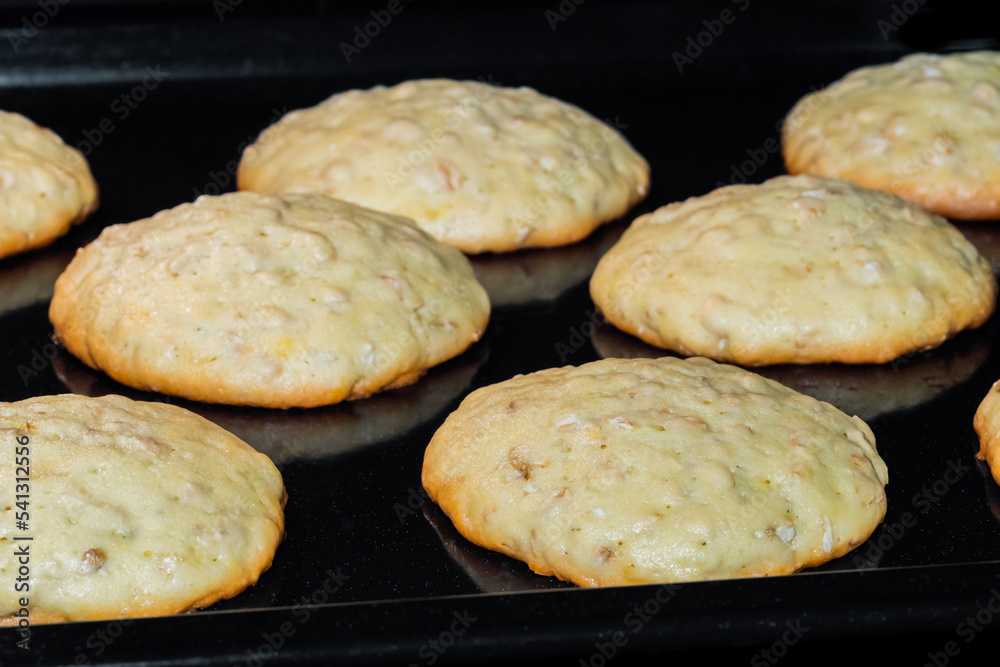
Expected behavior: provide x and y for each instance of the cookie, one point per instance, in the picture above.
(480, 167)
(926, 128)
(45, 186)
(132, 509)
(987, 426)
(490, 572)
(799, 269)
(278, 302)
(633, 471)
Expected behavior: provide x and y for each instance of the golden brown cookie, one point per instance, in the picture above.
(799, 269)
(132, 509)
(248, 299)
(45, 186)
(926, 128)
(478, 166)
(632, 471)
(987, 425)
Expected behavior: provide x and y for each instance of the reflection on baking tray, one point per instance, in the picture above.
(542, 274)
(992, 490)
(286, 435)
(986, 238)
(865, 390)
(493, 572)
(30, 279)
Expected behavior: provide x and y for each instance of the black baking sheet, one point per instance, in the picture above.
(370, 570)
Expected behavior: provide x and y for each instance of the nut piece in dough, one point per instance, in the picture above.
(45, 185)
(134, 509)
(926, 128)
(248, 299)
(635, 471)
(799, 269)
(480, 167)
